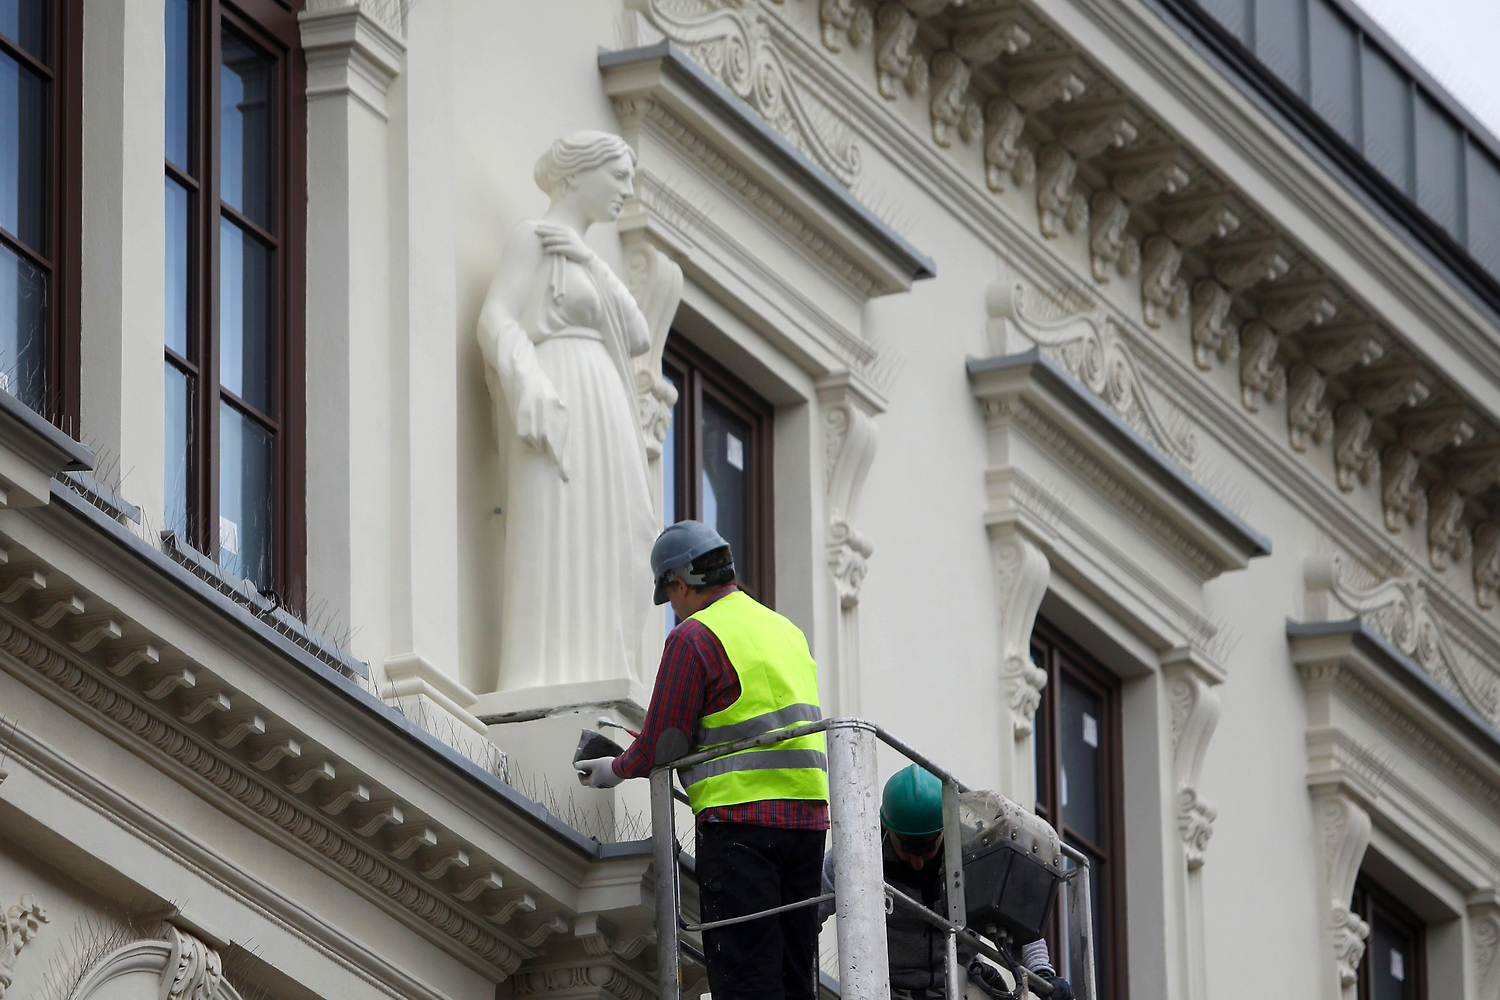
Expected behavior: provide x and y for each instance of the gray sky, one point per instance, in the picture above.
(1457, 41)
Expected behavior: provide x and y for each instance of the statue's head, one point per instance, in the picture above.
(596, 169)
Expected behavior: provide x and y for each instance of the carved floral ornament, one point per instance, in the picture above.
(1210, 268)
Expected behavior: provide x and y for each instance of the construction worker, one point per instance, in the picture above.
(911, 824)
(731, 670)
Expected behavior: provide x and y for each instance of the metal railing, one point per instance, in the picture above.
(861, 895)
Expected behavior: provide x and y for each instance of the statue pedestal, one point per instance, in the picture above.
(442, 706)
(538, 728)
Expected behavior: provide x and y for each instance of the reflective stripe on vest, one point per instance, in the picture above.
(778, 688)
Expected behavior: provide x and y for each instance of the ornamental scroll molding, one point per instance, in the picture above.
(178, 711)
(1343, 836)
(587, 978)
(733, 43)
(1192, 683)
(1090, 345)
(849, 408)
(21, 923)
(655, 280)
(1400, 611)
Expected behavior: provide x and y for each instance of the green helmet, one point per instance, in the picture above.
(912, 805)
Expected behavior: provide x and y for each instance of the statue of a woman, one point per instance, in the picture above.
(558, 332)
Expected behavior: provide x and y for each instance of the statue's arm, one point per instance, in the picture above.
(539, 416)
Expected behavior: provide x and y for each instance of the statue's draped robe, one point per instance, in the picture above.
(577, 583)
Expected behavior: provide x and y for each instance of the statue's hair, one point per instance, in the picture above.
(576, 152)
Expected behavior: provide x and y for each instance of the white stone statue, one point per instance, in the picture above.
(558, 332)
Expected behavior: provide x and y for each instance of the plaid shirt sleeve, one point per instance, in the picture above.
(676, 701)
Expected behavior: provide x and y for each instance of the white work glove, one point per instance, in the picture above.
(597, 773)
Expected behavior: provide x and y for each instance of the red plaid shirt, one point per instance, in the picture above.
(696, 679)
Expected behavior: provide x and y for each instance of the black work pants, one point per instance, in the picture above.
(743, 869)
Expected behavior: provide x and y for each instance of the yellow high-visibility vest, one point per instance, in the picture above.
(778, 688)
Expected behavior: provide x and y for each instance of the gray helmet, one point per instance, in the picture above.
(676, 548)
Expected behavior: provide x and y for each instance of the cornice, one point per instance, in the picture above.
(353, 49)
(56, 770)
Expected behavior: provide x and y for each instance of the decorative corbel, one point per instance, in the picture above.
(194, 971)
(1057, 203)
(1192, 681)
(1400, 494)
(1486, 563)
(842, 19)
(1161, 289)
(988, 40)
(1342, 348)
(1148, 180)
(1484, 932)
(1354, 457)
(655, 281)
(950, 104)
(1214, 334)
(849, 408)
(1004, 121)
(18, 925)
(1110, 247)
(1293, 309)
(1201, 219)
(1307, 416)
(1447, 538)
(1022, 573)
(1261, 375)
(1343, 835)
(1088, 134)
(895, 31)
(1243, 265)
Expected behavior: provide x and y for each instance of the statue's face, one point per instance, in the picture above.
(602, 191)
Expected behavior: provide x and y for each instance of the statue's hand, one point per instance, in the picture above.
(564, 241)
(543, 425)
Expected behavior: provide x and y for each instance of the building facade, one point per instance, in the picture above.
(1109, 389)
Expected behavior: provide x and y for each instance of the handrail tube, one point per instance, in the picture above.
(1038, 984)
(916, 757)
(664, 857)
(776, 736)
(727, 921)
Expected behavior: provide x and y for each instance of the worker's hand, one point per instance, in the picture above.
(599, 773)
(1061, 988)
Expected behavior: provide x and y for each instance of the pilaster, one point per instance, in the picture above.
(353, 57)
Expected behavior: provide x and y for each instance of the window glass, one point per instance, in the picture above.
(1394, 965)
(245, 130)
(244, 316)
(1076, 742)
(23, 153)
(726, 485)
(179, 82)
(178, 447)
(1080, 795)
(25, 23)
(176, 332)
(714, 460)
(23, 328)
(245, 502)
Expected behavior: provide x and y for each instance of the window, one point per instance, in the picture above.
(40, 204)
(1079, 790)
(1394, 965)
(233, 338)
(717, 461)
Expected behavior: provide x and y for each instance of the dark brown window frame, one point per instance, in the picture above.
(1055, 653)
(271, 25)
(1371, 899)
(701, 373)
(63, 258)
